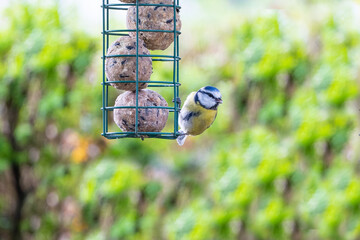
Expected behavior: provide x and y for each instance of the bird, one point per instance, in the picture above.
(198, 112)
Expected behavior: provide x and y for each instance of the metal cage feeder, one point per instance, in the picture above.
(175, 83)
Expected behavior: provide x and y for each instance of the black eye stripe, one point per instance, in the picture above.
(209, 94)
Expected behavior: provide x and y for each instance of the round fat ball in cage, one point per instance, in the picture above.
(149, 119)
(124, 68)
(154, 18)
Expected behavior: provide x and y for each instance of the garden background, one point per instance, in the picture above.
(281, 161)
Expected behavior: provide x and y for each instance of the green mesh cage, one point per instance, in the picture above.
(108, 8)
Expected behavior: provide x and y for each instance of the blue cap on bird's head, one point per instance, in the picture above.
(208, 97)
(211, 89)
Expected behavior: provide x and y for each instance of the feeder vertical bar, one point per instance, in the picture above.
(107, 25)
(107, 47)
(103, 95)
(137, 68)
(174, 74)
(177, 79)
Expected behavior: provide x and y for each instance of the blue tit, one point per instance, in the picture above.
(198, 112)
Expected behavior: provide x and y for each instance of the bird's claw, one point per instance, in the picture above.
(178, 101)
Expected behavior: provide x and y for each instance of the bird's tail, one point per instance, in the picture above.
(181, 138)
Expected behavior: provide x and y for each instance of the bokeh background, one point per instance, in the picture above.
(282, 160)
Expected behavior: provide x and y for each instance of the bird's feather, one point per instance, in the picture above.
(190, 115)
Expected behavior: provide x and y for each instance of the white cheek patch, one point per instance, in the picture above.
(206, 101)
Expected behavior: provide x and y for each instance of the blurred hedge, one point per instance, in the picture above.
(280, 161)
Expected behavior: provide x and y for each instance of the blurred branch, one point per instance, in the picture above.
(328, 156)
(20, 199)
(12, 110)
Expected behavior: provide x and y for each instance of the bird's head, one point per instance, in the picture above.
(208, 97)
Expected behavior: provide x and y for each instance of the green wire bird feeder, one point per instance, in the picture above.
(174, 84)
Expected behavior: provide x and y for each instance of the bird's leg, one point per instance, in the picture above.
(181, 133)
(178, 101)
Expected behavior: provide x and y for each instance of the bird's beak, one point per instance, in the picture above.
(219, 100)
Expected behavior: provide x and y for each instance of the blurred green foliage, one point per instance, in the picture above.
(42, 74)
(280, 161)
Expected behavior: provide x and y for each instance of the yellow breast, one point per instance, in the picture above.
(202, 122)
(202, 118)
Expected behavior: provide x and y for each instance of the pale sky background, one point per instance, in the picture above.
(89, 13)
